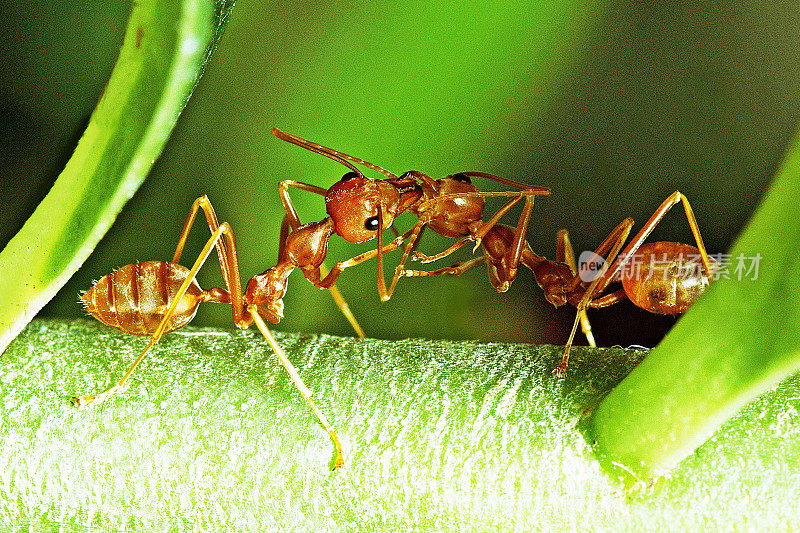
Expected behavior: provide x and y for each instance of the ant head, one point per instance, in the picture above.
(353, 203)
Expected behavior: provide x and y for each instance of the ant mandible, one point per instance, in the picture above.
(157, 297)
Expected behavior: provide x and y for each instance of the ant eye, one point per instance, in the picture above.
(463, 178)
(371, 223)
(350, 175)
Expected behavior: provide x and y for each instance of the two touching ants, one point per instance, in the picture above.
(156, 297)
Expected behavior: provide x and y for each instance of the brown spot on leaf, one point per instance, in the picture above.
(139, 36)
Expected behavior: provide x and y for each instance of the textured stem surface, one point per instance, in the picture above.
(212, 435)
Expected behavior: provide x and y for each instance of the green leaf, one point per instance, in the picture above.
(165, 49)
(439, 436)
(739, 340)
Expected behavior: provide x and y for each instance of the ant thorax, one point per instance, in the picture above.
(447, 206)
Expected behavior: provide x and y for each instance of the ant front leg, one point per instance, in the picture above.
(305, 392)
(455, 270)
(399, 271)
(315, 276)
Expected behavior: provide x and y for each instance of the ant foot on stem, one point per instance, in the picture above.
(83, 401)
(338, 461)
(560, 370)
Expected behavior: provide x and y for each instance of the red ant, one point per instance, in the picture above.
(156, 297)
(666, 278)
(451, 206)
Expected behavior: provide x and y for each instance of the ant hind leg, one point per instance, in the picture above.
(213, 241)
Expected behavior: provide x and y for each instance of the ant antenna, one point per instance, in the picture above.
(331, 153)
(537, 191)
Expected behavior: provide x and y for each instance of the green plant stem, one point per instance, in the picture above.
(165, 48)
(438, 436)
(740, 339)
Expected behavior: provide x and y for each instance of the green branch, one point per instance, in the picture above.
(165, 48)
(438, 436)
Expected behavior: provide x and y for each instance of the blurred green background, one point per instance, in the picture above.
(612, 105)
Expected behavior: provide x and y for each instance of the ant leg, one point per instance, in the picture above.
(475, 237)
(651, 223)
(618, 261)
(226, 251)
(291, 219)
(565, 254)
(211, 218)
(314, 275)
(298, 382)
(529, 191)
(381, 280)
(455, 270)
(283, 192)
(518, 242)
(514, 252)
(341, 303)
(485, 227)
(618, 236)
(424, 259)
(608, 299)
(285, 226)
(213, 241)
(201, 201)
(416, 233)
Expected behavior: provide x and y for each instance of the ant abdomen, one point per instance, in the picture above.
(134, 298)
(665, 277)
